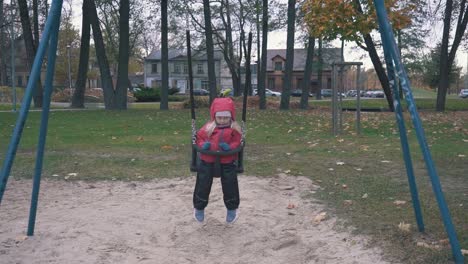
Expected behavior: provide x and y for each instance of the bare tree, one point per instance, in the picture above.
(447, 57)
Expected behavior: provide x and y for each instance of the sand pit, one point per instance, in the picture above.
(151, 222)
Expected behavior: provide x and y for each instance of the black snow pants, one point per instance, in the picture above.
(230, 186)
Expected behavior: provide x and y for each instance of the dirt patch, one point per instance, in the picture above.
(151, 222)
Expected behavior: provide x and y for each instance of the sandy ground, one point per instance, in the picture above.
(151, 222)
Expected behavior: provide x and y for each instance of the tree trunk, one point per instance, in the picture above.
(120, 97)
(80, 86)
(209, 50)
(36, 23)
(318, 95)
(30, 48)
(262, 73)
(380, 71)
(106, 78)
(377, 63)
(446, 57)
(229, 52)
(164, 58)
(2, 47)
(248, 72)
(285, 95)
(307, 73)
(257, 13)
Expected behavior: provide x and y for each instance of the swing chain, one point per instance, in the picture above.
(243, 129)
(194, 132)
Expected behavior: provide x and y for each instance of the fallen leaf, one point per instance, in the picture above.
(340, 163)
(73, 174)
(404, 227)
(426, 245)
(398, 202)
(365, 196)
(291, 206)
(166, 147)
(358, 169)
(344, 186)
(385, 161)
(140, 138)
(20, 239)
(320, 217)
(114, 138)
(331, 169)
(287, 171)
(461, 156)
(444, 241)
(348, 202)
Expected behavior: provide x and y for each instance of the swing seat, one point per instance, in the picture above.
(196, 150)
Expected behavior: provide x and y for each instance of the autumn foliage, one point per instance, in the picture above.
(350, 19)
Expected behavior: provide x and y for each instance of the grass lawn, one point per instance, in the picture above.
(141, 144)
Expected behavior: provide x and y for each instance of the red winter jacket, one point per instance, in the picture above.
(230, 135)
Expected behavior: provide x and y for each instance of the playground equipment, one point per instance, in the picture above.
(337, 100)
(395, 70)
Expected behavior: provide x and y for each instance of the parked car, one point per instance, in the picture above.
(351, 93)
(326, 92)
(269, 92)
(463, 93)
(200, 92)
(296, 93)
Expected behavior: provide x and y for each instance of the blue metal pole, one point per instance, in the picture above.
(403, 136)
(44, 122)
(34, 77)
(450, 229)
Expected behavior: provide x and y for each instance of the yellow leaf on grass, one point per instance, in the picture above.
(404, 227)
(398, 202)
(320, 217)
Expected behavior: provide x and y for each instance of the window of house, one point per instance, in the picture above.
(176, 68)
(200, 68)
(154, 68)
(299, 83)
(185, 68)
(205, 85)
(271, 83)
(20, 81)
(278, 66)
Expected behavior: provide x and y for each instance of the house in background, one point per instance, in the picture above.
(178, 70)
(276, 61)
(21, 63)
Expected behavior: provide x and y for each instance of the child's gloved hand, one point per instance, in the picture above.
(206, 145)
(224, 146)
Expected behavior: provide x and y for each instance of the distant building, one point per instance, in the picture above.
(178, 70)
(276, 61)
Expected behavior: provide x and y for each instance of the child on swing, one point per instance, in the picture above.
(221, 133)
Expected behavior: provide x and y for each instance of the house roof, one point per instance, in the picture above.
(329, 55)
(180, 54)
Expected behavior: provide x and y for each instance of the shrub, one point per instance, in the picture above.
(147, 95)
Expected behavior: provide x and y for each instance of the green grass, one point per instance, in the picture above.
(140, 144)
